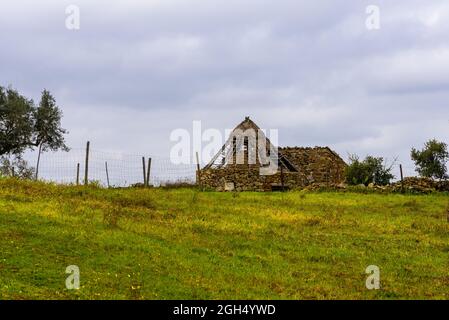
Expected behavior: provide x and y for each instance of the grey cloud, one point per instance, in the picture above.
(310, 69)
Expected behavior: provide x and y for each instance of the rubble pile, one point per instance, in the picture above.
(410, 184)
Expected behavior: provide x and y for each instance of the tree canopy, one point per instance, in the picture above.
(24, 125)
(431, 160)
(370, 170)
(47, 126)
(16, 122)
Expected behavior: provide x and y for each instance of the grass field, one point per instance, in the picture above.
(186, 244)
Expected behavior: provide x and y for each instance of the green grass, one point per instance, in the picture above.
(185, 244)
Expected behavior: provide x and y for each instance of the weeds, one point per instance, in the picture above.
(183, 244)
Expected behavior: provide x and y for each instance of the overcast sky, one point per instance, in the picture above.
(136, 70)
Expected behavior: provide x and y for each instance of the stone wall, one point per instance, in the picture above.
(420, 185)
(315, 165)
(248, 179)
(319, 164)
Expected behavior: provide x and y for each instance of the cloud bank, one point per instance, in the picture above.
(137, 70)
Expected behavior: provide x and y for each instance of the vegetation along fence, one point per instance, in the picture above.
(81, 165)
(116, 169)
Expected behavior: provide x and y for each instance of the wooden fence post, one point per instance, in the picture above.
(107, 173)
(144, 172)
(198, 168)
(402, 178)
(77, 174)
(282, 177)
(148, 172)
(86, 169)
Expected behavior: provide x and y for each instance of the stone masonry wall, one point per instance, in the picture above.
(315, 165)
(320, 165)
(248, 179)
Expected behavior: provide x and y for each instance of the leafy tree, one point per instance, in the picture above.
(370, 170)
(356, 172)
(24, 125)
(49, 135)
(431, 160)
(16, 122)
(380, 170)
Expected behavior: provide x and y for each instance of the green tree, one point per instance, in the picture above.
(16, 122)
(370, 170)
(431, 161)
(48, 133)
(26, 126)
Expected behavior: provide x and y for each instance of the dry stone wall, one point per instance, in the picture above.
(315, 165)
(320, 165)
(248, 179)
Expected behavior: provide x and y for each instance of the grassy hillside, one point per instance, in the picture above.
(176, 244)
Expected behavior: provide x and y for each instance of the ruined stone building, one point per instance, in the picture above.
(248, 161)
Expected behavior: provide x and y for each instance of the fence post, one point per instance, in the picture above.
(402, 178)
(144, 172)
(86, 169)
(198, 168)
(107, 172)
(148, 172)
(282, 177)
(77, 174)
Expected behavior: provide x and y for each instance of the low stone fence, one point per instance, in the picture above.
(410, 184)
(248, 179)
(422, 185)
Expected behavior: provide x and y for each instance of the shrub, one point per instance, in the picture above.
(371, 170)
(431, 161)
(15, 167)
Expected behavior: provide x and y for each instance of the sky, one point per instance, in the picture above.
(135, 71)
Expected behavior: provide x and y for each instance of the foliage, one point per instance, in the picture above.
(47, 127)
(15, 166)
(183, 244)
(370, 170)
(16, 122)
(431, 160)
(24, 125)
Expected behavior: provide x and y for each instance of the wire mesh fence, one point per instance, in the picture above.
(118, 169)
(123, 169)
(408, 171)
